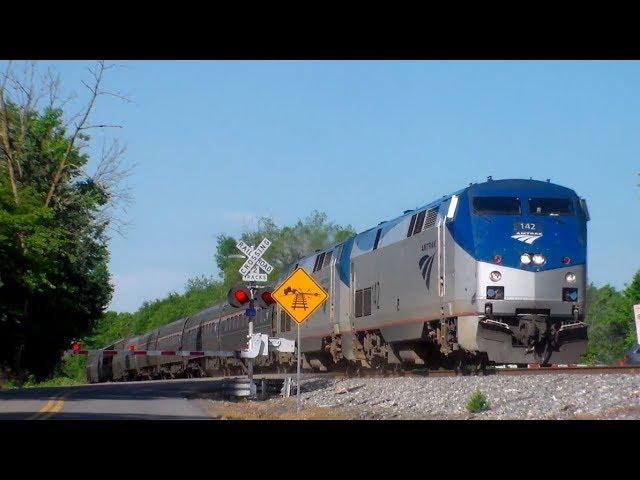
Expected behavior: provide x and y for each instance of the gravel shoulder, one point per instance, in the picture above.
(534, 397)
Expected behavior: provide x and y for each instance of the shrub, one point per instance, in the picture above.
(478, 402)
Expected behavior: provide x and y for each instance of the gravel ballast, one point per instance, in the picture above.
(553, 396)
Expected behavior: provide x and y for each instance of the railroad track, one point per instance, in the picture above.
(585, 370)
(554, 370)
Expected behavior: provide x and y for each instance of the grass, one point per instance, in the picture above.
(53, 382)
(70, 371)
(478, 402)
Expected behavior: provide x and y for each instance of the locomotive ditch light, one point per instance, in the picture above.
(238, 296)
(538, 258)
(264, 298)
(495, 276)
(570, 277)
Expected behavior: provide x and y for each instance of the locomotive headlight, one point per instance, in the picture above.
(570, 277)
(538, 259)
(495, 276)
(525, 258)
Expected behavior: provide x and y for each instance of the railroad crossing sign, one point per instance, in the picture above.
(299, 295)
(250, 270)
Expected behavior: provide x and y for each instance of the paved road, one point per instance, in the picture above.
(158, 400)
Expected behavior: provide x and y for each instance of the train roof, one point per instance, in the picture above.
(489, 187)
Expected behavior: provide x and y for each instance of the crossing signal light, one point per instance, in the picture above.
(238, 296)
(264, 298)
(267, 298)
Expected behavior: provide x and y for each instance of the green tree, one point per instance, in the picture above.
(631, 297)
(610, 319)
(53, 223)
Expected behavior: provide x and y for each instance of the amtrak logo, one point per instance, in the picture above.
(425, 263)
(527, 238)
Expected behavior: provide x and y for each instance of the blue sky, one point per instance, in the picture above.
(217, 144)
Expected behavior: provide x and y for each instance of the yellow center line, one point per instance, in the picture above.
(53, 405)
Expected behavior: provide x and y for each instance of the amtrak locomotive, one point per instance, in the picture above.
(493, 273)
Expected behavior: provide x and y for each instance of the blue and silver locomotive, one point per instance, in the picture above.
(495, 272)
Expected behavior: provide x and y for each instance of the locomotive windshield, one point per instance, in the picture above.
(550, 206)
(496, 205)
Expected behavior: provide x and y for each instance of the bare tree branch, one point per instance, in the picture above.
(109, 176)
(100, 126)
(58, 173)
(97, 72)
(117, 95)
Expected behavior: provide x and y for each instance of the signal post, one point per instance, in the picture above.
(299, 295)
(253, 292)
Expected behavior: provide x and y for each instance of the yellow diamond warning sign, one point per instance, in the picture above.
(299, 295)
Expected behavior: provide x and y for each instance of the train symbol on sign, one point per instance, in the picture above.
(250, 269)
(299, 299)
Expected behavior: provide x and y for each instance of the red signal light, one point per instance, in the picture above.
(497, 259)
(267, 298)
(76, 347)
(566, 260)
(240, 296)
(132, 347)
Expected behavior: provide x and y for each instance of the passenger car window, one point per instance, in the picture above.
(550, 206)
(496, 205)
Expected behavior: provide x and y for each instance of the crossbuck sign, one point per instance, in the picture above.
(250, 270)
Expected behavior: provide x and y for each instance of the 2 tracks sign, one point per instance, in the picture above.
(250, 269)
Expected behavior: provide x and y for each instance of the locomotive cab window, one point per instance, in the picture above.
(553, 207)
(496, 205)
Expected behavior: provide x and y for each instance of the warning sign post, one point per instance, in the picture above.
(299, 295)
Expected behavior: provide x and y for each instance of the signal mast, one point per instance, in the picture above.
(252, 295)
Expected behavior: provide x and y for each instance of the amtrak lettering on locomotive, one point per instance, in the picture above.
(495, 272)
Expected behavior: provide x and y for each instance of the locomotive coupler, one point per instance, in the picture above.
(532, 330)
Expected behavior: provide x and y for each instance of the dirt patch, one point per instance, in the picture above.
(274, 409)
(616, 413)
